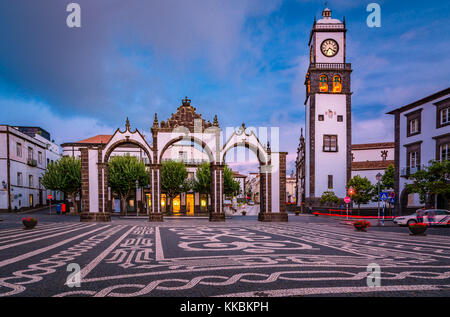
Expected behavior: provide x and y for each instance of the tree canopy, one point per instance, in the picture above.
(230, 186)
(174, 180)
(363, 190)
(431, 180)
(202, 182)
(329, 197)
(123, 172)
(64, 175)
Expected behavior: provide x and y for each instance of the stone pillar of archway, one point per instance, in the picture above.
(217, 212)
(273, 184)
(93, 186)
(265, 177)
(155, 213)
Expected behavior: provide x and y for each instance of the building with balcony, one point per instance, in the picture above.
(422, 134)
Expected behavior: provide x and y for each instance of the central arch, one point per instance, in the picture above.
(192, 139)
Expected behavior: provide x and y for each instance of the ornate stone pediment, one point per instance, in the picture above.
(186, 116)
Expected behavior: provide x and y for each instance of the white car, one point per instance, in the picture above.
(439, 217)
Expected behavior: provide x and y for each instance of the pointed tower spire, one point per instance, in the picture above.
(155, 121)
(127, 124)
(215, 122)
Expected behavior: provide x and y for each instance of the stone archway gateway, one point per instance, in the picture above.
(183, 126)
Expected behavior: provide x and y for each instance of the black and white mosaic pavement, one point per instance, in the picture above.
(190, 258)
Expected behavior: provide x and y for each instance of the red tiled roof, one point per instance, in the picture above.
(370, 146)
(98, 139)
(371, 165)
(237, 175)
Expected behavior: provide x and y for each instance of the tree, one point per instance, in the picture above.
(202, 182)
(363, 190)
(387, 182)
(230, 186)
(329, 197)
(174, 180)
(123, 172)
(431, 180)
(388, 179)
(64, 175)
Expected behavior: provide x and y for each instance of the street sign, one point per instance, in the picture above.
(392, 200)
(384, 195)
(347, 200)
(392, 195)
(49, 196)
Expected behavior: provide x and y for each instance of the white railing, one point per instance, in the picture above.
(188, 161)
(334, 26)
(330, 65)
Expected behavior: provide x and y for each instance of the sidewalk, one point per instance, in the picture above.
(373, 222)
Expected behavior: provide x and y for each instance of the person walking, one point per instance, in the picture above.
(431, 217)
(419, 215)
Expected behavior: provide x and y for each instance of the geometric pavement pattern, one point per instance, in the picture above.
(218, 259)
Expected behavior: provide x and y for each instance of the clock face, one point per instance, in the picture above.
(329, 48)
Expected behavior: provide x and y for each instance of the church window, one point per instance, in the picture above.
(323, 83)
(330, 143)
(330, 181)
(337, 84)
(444, 152)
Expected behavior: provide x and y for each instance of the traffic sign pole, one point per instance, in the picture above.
(347, 200)
(50, 201)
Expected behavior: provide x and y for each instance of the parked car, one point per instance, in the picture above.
(438, 217)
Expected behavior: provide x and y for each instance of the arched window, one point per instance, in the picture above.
(337, 84)
(323, 83)
(308, 83)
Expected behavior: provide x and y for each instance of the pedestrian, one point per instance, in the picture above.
(419, 215)
(430, 217)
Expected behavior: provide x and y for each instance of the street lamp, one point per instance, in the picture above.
(135, 202)
(378, 177)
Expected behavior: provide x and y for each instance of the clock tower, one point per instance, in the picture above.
(328, 111)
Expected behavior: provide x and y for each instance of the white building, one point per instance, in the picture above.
(422, 133)
(52, 153)
(23, 160)
(241, 180)
(291, 187)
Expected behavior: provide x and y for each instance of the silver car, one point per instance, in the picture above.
(436, 217)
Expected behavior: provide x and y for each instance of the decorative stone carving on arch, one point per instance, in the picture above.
(126, 137)
(249, 140)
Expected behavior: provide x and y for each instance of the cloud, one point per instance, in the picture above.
(61, 129)
(374, 130)
(124, 53)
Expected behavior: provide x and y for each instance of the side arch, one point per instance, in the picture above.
(110, 148)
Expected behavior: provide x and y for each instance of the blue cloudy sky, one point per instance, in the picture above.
(244, 60)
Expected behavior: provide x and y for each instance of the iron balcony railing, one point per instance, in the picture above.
(407, 171)
(32, 162)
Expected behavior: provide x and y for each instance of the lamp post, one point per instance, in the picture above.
(378, 177)
(136, 202)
